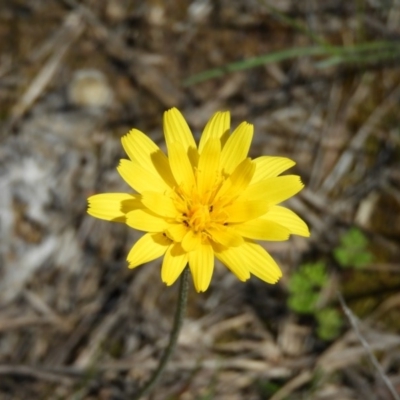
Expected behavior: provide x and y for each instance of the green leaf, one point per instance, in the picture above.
(303, 303)
(360, 53)
(330, 323)
(305, 285)
(353, 250)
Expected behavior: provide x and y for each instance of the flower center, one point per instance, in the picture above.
(198, 217)
(201, 212)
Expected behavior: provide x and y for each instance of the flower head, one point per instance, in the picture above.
(203, 201)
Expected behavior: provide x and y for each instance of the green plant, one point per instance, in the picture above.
(329, 323)
(304, 287)
(353, 251)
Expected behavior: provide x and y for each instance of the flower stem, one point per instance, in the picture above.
(178, 321)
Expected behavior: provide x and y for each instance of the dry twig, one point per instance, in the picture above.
(354, 324)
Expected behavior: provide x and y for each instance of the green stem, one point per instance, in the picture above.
(178, 321)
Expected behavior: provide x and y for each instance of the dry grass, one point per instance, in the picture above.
(75, 323)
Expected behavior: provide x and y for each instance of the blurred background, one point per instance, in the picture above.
(321, 83)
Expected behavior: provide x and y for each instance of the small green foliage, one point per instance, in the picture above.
(306, 283)
(329, 323)
(353, 250)
(303, 303)
(304, 287)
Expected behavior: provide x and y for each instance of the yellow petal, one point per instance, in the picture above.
(159, 204)
(270, 167)
(149, 247)
(201, 262)
(140, 179)
(288, 219)
(141, 149)
(274, 190)
(177, 232)
(237, 181)
(180, 165)
(191, 241)
(242, 175)
(233, 259)
(176, 129)
(236, 147)
(112, 206)
(174, 262)
(208, 167)
(145, 220)
(259, 262)
(261, 229)
(217, 127)
(241, 211)
(227, 237)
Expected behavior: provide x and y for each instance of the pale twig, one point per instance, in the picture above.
(354, 324)
(298, 381)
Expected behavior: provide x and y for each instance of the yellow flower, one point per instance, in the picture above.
(203, 201)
